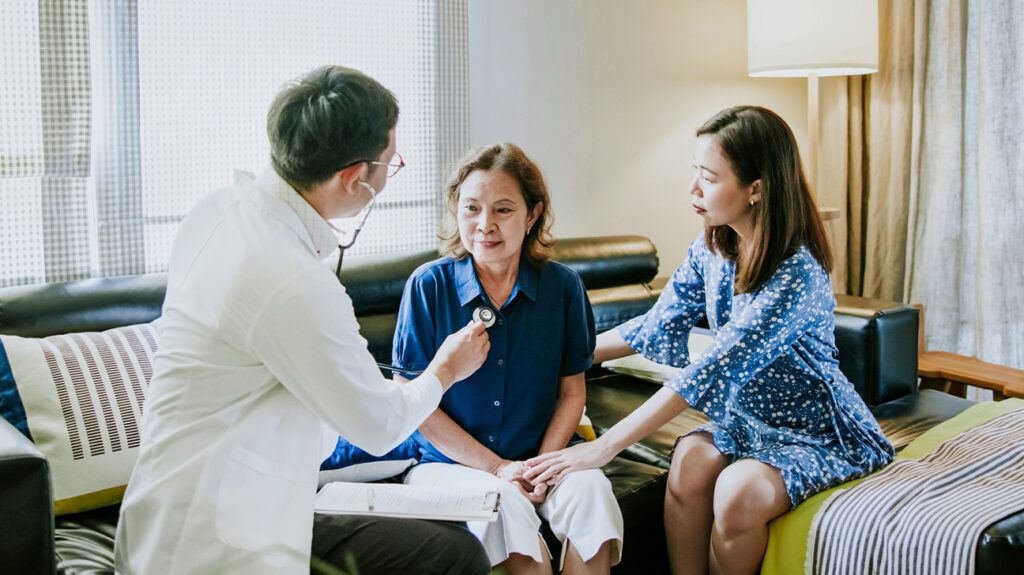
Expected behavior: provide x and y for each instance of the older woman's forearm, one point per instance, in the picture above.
(572, 398)
(457, 444)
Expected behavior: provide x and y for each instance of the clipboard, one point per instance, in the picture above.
(411, 501)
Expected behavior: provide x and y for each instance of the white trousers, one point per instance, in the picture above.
(581, 509)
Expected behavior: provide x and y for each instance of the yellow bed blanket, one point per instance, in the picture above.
(788, 539)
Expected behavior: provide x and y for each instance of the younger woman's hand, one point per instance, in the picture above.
(512, 471)
(551, 468)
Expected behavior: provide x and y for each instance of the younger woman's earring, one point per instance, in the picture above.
(751, 202)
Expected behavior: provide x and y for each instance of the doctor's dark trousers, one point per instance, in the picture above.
(384, 546)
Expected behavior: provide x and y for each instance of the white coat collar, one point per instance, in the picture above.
(319, 234)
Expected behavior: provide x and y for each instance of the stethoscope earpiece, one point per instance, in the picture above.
(485, 315)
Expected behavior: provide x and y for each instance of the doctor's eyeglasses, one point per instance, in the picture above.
(394, 166)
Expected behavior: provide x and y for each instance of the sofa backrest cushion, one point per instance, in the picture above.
(83, 305)
(877, 341)
(614, 269)
(374, 283)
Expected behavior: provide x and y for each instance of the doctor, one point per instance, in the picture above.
(261, 365)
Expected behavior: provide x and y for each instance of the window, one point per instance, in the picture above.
(175, 95)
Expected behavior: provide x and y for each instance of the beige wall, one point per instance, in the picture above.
(605, 96)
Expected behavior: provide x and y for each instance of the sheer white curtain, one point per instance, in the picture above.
(965, 257)
(101, 156)
(45, 103)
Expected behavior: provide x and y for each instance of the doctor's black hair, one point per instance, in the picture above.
(331, 118)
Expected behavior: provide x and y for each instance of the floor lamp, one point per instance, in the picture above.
(812, 38)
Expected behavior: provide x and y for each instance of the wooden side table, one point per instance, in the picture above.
(952, 373)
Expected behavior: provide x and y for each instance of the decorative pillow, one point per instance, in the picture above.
(79, 398)
(350, 463)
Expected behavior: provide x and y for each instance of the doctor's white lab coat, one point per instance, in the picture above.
(260, 366)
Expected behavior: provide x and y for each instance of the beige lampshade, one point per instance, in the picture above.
(805, 37)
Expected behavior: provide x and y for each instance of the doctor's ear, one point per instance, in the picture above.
(351, 178)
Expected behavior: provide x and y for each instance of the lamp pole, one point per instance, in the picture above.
(813, 133)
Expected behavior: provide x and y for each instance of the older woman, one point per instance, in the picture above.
(528, 397)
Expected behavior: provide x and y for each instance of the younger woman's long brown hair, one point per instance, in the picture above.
(759, 145)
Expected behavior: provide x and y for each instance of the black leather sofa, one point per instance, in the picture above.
(878, 352)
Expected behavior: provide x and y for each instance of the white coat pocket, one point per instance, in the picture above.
(266, 506)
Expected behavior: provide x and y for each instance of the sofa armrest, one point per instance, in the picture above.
(26, 505)
(951, 372)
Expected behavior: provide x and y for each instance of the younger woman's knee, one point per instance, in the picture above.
(748, 496)
(696, 464)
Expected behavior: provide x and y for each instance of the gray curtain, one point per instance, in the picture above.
(878, 160)
(965, 260)
(64, 93)
(452, 96)
(932, 167)
(117, 162)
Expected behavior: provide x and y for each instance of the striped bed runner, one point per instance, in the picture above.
(924, 516)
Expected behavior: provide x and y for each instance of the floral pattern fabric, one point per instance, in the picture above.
(770, 382)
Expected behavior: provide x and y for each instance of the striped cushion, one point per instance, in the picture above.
(79, 398)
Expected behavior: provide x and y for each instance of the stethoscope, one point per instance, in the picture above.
(484, 314)
(359, 228)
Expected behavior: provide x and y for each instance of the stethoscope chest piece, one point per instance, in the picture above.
(485, 315)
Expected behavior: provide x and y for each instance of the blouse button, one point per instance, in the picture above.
(501, 362)
(490, 438)
(497, 403)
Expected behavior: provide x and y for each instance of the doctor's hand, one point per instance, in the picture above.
(462, 353)
(551, 468)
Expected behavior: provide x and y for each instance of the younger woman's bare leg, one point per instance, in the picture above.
(696, 464)
(748, 495)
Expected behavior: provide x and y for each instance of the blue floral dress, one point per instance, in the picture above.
(770, 381)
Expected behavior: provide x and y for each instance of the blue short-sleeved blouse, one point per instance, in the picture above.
(544, 331)
(770, 381)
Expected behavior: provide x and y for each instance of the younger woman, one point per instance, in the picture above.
(784, 421)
